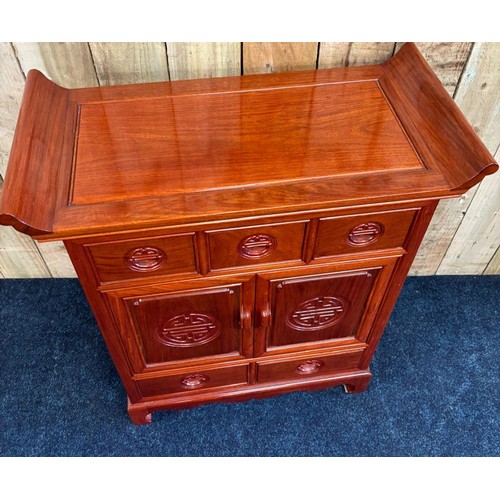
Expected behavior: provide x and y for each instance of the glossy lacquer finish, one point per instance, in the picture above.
(318, 308)
(228, 140)
(241, 237)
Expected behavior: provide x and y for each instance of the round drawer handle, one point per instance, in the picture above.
(365, 234)
(195, 380)
(309, 366)
(145, 259)
(257, 246)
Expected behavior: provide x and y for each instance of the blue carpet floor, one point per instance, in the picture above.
(434, 391)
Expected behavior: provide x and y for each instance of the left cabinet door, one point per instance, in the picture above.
(166, 326)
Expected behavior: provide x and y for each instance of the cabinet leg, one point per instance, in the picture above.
(138, 415)
(358, 385)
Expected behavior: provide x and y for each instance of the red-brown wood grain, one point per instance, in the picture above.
(353, 381)
(256, 245)
(241, 237)
(359, 284)
(302, 368)
(369, 231)
(193, 381)
(178, 323)
(31, 183)
(130, 259)
(187, 325)
(317, 307)
(234, 140)
(439, 131)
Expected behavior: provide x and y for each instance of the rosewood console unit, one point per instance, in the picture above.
(241, 237)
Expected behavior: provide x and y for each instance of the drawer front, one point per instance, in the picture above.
(194, 380)
(314, 366)
(136, 258)
(246, 246)
(359, 233)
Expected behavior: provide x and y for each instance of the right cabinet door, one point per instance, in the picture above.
(316, 310)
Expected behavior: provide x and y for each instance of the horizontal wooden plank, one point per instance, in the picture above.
(333, 54)
(119, 63)
(342, 54)
(67, 64)
(362, 53)
(187, 60)
(274, 57)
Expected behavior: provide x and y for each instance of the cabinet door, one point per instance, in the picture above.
(299, 312)
(201, 324)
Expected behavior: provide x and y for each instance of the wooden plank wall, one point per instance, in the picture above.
(464, 236)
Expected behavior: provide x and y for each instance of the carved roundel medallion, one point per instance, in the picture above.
(189, 330)
(316, 314)
(193, 381)
(257, 246)
(145, 259)
(365, 234)
(309, 366)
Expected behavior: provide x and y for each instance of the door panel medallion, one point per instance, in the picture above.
(188, 330)
(257, 246)
(365, 234)
(316, 314)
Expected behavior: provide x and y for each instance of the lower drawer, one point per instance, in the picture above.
(193, 380)
(299, 368)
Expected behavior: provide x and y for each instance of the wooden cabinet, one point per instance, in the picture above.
(241, 237)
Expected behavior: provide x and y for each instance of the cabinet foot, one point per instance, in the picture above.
(139, 415)
(358, 385)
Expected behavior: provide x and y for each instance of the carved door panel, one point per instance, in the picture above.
(200, 324)
(294, 311)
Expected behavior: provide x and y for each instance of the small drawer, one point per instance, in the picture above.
(270, 371)
(366, 232)
(137, 258)
(246, 246)
(194, 380)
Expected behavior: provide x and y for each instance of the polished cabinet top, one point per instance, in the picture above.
(179, 144)
(86, 161)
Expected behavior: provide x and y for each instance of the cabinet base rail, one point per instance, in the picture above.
(353, 382)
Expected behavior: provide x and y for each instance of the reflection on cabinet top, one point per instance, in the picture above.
(183, 144)
(88, 161)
